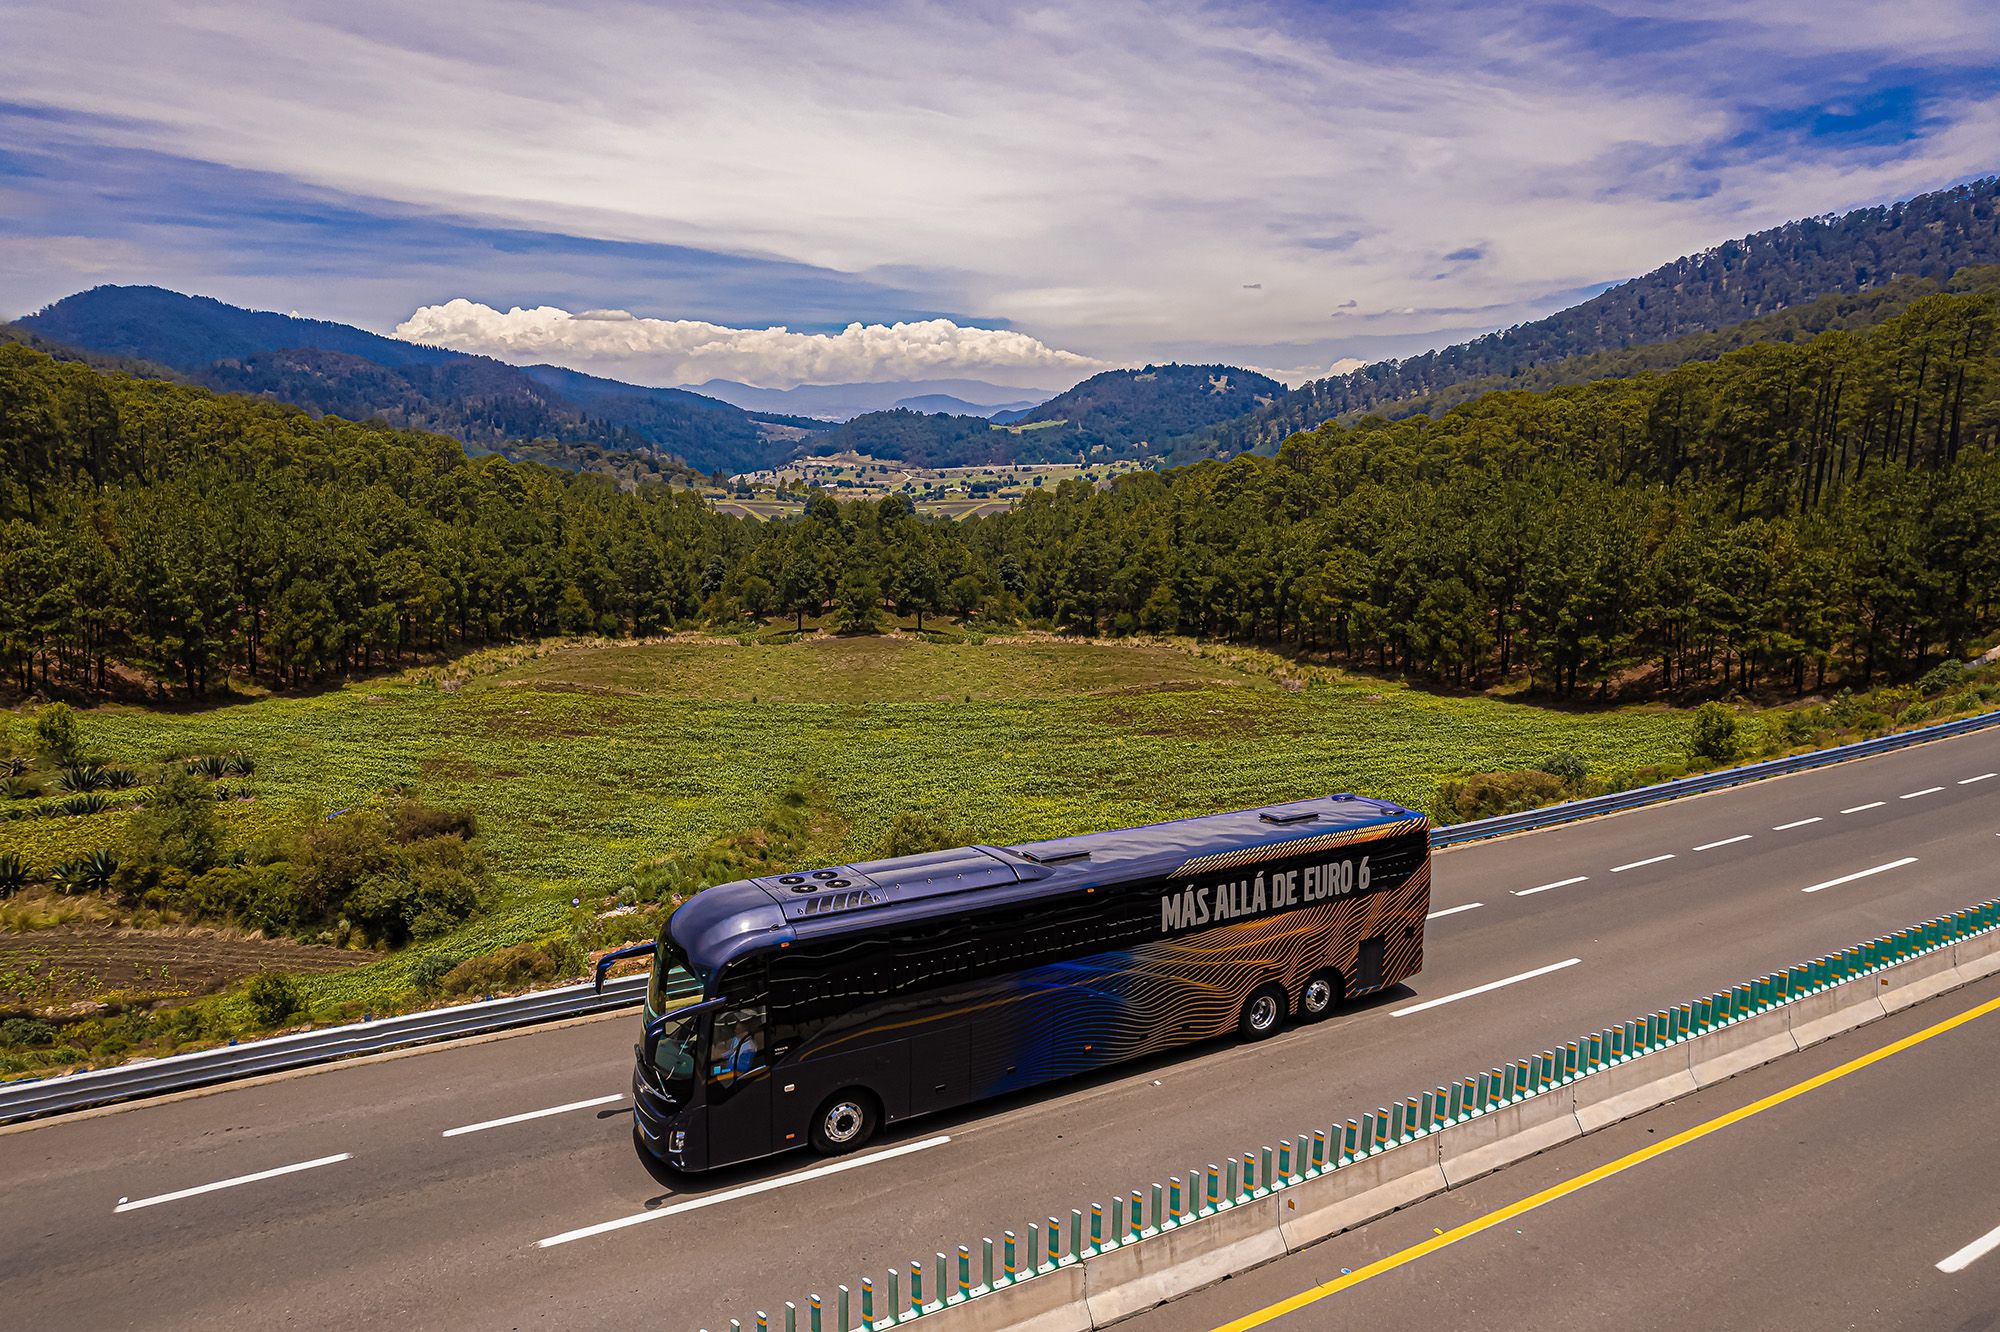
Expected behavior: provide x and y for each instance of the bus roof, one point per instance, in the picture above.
(718, 923)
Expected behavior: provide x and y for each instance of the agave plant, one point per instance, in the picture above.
(241, 765)
(95, 870)
(210, 766)
(119, 779)
(83, 777)
(83, 804)
(20, 788)
(72, 877)
(13, 874)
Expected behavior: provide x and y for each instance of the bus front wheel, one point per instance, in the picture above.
(1263, 1012)
(1321, 995)
(846, 1121)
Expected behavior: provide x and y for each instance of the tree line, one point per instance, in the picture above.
(1786, 512)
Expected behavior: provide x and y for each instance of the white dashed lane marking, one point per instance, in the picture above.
(1641, 864)
(1799, 823)
(1486, 988)
(1727, 841)
(1559, 883)
(178, 1194)
(1861, 874)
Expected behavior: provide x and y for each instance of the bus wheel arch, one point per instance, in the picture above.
(1263, 1012)
(846, 1120)
(1321, 994)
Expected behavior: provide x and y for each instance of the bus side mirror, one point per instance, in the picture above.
(618, 955)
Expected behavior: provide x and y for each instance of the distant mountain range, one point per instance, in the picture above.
(1119, 414)
(1929, 236)
(335, 369)
(1806, 276)
(842, 402)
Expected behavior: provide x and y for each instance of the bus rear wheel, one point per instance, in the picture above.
(1263, 1012)
(1321, 995)
(846, 1121)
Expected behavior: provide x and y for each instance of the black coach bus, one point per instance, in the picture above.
(837, 1000)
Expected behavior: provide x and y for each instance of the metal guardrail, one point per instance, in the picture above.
(30, 1098)
(1548, 815)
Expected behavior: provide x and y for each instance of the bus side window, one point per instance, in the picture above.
(738, 1043)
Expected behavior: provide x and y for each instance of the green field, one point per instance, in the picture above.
(584, 760)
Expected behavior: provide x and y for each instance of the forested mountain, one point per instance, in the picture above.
(1116, 414)
(337, 370)
(1928, 236)
(1786, 514)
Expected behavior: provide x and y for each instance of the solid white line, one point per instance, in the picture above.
(1928, 790)
(1727, 841)
(1787, 827)
(1453, 911)
(1559, 883)
(1860, 874)
(1482, 989)
(1641, 864)
(125, 1206)
(1972, 1252)
(1873, 804)
(534, 1114)
(1980, 778)
(730, 1195)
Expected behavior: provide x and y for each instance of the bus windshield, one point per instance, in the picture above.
(673, 977)
(673, 1057)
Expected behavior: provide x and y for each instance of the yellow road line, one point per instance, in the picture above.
(1603, 1172)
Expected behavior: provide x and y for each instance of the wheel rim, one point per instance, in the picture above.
(843, 1122)
(1263, 1013)
(1319, 995)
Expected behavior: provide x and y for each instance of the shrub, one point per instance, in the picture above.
(272, 998)
(1793, 728)
(1485, 794)
(1569, 767)
(26, 1031)
(58, 735)
(430, 972)
(1942, 678)
(916, 831)
(1712, 738)
(13, 874)
(513, 968)
(178, 826)
(413, 820)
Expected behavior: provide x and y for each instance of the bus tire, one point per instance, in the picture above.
(1263, 1012)
(1322, 994)
(845, 1121)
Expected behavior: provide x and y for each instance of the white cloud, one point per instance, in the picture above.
(686, 351)
(1108, 177)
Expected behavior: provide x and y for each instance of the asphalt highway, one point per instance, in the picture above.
(418, 1190)
(1870, 1201)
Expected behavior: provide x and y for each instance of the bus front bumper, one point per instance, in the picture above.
(661, 1127)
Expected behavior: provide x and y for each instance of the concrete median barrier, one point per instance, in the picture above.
(1919, 979)
(1816, 1017)
(1978, 956)
(1632, 1088)
(1051, 1302)
(1743, 1045)
(1123, 1281)
(1481, 1146)
(1359, 1192)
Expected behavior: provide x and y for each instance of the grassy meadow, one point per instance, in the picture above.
(584, 760)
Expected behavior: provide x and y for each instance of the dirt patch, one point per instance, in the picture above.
(56, 970)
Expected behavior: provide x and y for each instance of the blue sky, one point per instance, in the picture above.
(780, 192)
